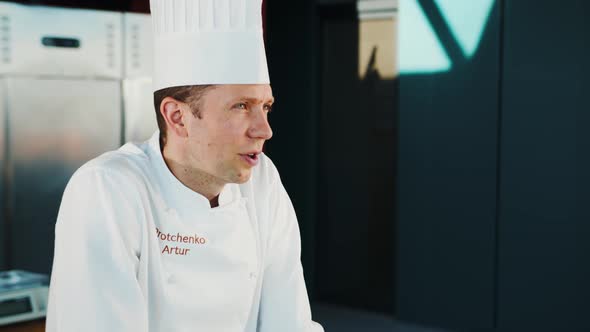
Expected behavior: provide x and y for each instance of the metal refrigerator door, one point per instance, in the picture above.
(138, 45)
(55, 126)
(140, 115)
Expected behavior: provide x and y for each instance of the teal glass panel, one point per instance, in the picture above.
(467, 20)
(420, 50)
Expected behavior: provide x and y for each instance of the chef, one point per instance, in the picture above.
(191, 230)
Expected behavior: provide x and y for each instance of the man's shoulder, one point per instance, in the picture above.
(129, 161)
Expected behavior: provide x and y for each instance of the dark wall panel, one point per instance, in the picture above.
(336, 2)
(355, 185)
(446, 184)
(334, 151)
(292, 53)
(544, 226)
(343, 256)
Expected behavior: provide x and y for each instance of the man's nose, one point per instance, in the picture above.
(260, 127)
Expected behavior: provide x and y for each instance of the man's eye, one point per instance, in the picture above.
(268, 108)
(241, 106)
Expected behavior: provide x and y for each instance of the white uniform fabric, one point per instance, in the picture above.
(136, 250)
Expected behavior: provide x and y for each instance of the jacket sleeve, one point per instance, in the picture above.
(97, 237)
(284, 302)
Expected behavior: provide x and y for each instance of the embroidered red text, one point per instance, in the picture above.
(179, 238)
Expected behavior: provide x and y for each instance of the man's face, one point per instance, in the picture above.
(225, 141)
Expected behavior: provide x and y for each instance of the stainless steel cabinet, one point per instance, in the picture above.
(67, 123)
(60, 82)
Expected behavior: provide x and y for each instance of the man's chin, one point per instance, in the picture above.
(242, 177)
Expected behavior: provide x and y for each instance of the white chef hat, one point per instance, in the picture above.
(200, 42)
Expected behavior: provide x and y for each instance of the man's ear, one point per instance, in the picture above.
(172, 112)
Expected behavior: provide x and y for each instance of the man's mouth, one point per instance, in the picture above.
(250, 158)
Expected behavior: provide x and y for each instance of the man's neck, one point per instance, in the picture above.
(195, 179)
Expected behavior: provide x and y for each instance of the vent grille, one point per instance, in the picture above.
(135, 59)
(110, 30)
(5, 39)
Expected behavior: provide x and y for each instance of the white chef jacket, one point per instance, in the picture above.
(136, 250)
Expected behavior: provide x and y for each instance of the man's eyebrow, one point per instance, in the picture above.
(257, 101)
